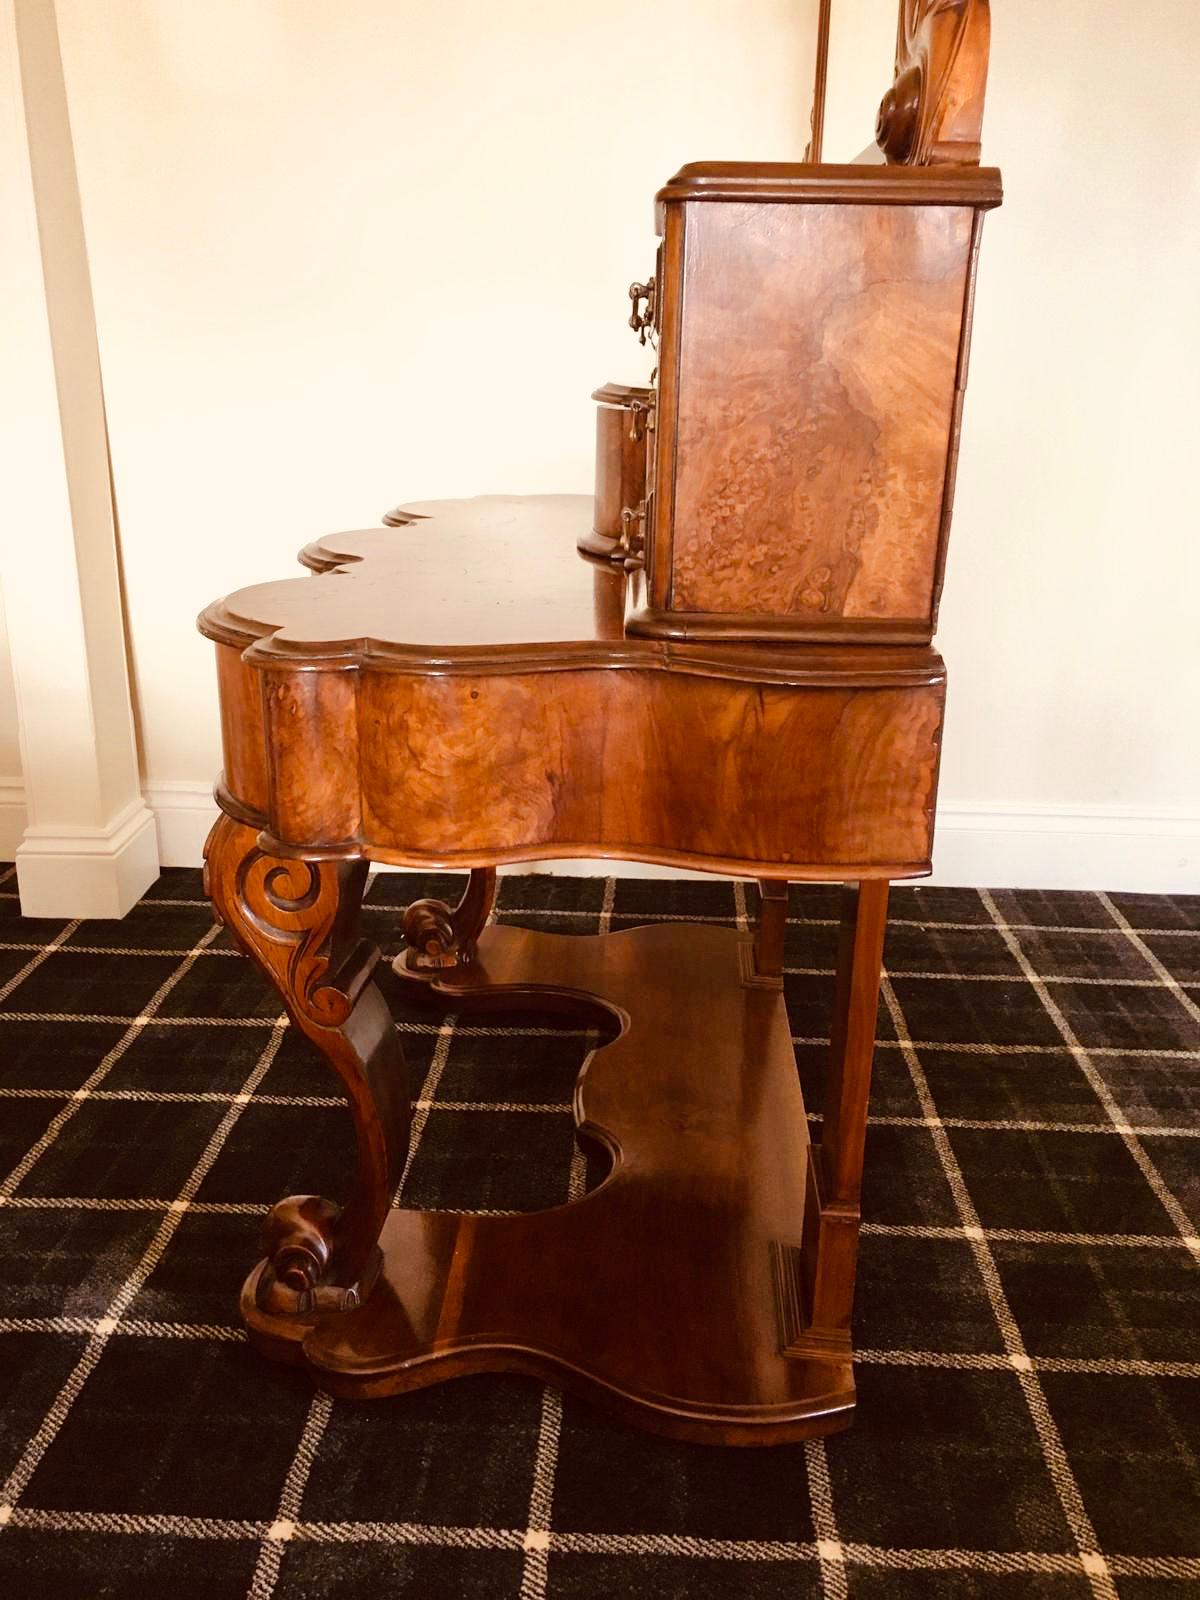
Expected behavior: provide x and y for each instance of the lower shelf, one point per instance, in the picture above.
(671, 1293)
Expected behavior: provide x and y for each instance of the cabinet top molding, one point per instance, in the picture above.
(773, 182)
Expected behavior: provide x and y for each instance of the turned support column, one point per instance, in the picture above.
(298, 921)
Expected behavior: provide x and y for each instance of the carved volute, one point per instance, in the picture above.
(933, 113)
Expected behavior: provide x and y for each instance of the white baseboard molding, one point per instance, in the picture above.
(1129, 848)
(184, 812)
(1125, 848)
(12, 817)
(88, 872)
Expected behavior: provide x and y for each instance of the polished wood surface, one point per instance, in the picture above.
(817, 369)
(816, 121)
(722, 659)
(437, 936)
(623, 436)
(705, 1290)
(798, 183)
(611, 762)
(815, 327)
(394, 688)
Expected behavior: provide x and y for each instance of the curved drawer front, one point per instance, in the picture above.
(649, 764)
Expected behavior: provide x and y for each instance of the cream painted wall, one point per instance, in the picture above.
(347, 254)
(343, 255)
(12, 788)
(10, 749)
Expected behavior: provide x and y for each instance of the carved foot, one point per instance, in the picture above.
(438, 937)
(298, 1241)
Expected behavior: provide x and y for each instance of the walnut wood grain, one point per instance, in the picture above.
(815, 325)
(817, 368)
(644, 765)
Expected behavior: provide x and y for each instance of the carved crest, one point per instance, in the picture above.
(933, 113)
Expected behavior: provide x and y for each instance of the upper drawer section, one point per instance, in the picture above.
(812, 368)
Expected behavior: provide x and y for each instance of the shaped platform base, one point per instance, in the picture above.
(676, 1293)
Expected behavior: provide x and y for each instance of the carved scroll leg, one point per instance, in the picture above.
(840, 1156)
(438, 937)
(297, 920)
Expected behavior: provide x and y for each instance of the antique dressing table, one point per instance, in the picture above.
(723, 662)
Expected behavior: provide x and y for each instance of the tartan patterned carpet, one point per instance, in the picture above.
(1027, 1327)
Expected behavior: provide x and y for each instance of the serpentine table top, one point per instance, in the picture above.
(469, 662)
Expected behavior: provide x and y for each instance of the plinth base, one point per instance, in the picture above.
(676, 1293)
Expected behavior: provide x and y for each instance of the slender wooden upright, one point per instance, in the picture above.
(844, 1122)
(723, 661)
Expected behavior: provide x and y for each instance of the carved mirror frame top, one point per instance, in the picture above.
(933, 113)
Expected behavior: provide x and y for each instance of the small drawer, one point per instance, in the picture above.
(624, 424)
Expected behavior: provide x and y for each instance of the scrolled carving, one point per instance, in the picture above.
(933, 113)
(429, 934)
(293, 906)
(438, 937)
(297, 1235)
(298, 1241)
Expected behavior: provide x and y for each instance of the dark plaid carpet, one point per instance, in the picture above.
(1028, 1316)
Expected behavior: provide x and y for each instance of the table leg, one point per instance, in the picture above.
(298, 921)
(844, 1123)
(772, 928)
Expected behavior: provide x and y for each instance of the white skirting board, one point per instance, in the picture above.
(1030, 847)
(93, 872)
(100, 872)
(12, 817)
(1125, 848)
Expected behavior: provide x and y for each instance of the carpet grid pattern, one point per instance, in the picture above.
(1027, 1326)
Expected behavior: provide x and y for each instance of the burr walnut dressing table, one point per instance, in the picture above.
(722, 661)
